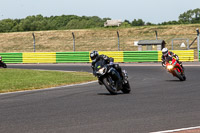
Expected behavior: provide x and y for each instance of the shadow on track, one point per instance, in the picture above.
(174, 80)
(108, 94)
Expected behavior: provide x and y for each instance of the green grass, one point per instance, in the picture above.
(22, 79)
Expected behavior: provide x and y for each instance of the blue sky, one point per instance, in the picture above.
(155, 11)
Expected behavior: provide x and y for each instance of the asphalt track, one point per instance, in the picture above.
(158, 102)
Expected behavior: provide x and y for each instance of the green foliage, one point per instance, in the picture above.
(188, 17)
(6, 25)
(38, 22)
(125, 24)
(84, 23)
(191, 16)
(138, 22)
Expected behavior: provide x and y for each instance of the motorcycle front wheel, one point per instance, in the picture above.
(178, 74)
(126, 88)
(110, 85)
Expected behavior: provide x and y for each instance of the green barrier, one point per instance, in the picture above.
(11, 57)
(199, 56)
(83, 57)
(140, 56)
(72, 57)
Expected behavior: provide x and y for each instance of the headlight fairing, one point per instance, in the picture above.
(102, 71)
(169, 67)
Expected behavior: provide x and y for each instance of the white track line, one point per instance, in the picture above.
(176, 130)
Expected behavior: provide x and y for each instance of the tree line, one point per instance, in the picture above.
(39, 23)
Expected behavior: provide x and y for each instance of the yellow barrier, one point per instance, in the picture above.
(184, 55)
(117, 55)
(39, 57)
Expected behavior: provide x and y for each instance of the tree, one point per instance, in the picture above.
(138, 22)
(6, 25)
(191, 16)
(125, 24)
(127, 21)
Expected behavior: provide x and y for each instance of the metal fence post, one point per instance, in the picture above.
(73, 41)
(33, 42)
(118, 41)
(156, 34)
(197, 42)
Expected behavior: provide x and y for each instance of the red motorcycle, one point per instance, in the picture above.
(175, 69)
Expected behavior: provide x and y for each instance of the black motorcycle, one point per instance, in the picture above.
(2, 64)
(111, 78)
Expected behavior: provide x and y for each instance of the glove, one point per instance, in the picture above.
(177, 58)
(111, 63)
(163, 64)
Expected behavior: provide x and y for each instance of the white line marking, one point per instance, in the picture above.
(176, 130)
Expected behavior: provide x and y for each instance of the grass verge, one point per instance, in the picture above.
(22, 79)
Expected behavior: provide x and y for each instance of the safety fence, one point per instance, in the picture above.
(140, 56)
(83, 57)
(199, 55)
(70, 57)
(184, 55)
(12, 57)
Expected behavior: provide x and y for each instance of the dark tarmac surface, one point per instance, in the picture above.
(158, 102)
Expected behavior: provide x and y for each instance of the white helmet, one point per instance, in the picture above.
(165, 51)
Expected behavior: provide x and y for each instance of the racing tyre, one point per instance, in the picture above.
(126, 88)
(110, 85)
(184, 77)
(178, 75)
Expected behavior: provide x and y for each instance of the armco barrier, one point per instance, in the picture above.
(199, 55)
(83, 57)
(39, 57)
(72, 57)
(184, 55)
(12, 57)
(140, 56)
(118, 56)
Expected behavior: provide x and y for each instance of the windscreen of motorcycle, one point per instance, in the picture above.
(99, 64)
(168, 59)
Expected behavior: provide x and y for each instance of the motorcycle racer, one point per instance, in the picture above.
(2, 64)
(167, 54)
(94, 55)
